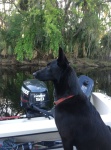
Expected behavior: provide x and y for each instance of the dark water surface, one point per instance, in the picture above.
(12, 78)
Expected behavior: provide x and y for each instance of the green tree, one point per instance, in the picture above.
(106, 46)
(43, 25)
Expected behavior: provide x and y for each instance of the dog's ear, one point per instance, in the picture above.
(62, 60)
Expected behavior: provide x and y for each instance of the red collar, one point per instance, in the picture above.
(62, 99)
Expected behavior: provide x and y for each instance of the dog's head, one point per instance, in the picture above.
(53, 69)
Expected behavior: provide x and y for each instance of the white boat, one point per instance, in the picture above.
(44, 129)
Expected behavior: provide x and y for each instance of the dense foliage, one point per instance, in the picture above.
(81, 27)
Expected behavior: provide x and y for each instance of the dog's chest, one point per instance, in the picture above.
(68, 117)
(73, 117)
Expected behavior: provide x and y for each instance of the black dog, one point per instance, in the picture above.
(77, 120)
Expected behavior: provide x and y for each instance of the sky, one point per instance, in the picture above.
(2, 6)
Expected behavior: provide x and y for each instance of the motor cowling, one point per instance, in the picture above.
(34, 92)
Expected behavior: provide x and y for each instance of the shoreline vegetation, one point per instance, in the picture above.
(78, 62)
(30, 29)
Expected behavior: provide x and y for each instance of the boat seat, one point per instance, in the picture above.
(86, 85)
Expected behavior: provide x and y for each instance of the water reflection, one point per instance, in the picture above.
(11, 81)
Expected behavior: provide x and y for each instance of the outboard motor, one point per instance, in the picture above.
(34, 93)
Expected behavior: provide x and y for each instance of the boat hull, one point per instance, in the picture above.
(44, 129)
(102, 103)
(47, 136)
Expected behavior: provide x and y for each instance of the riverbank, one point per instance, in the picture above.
(80, 62)
(85, 62)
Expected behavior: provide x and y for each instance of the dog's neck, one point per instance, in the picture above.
(67, 85)
(62, 99)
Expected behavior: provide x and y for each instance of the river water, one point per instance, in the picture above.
(12, 79)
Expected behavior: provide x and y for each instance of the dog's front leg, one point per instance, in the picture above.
(67, 144)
